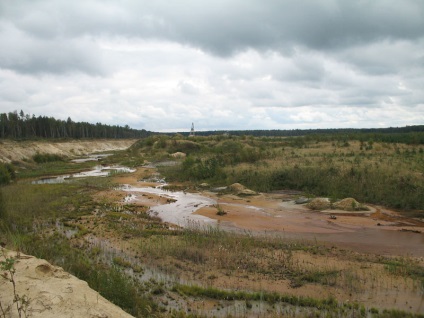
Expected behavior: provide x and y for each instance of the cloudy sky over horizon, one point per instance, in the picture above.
(224, 64)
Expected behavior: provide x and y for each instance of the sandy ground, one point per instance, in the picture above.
(52, 292)
(20, 150)
(378, 230)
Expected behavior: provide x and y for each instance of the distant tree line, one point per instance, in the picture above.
(407, 135)
(16, 125)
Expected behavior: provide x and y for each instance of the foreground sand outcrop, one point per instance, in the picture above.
(52, 292)
(20, 150)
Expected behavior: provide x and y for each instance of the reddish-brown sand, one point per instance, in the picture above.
(378, 230)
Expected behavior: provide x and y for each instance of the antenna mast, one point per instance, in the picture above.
(192, 130)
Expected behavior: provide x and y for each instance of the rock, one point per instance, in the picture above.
(319, 204)
(204, 185)
(178, 155)
(301, 200)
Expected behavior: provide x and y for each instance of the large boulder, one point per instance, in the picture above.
(301, 200)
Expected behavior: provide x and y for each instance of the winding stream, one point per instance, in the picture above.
(180, 208)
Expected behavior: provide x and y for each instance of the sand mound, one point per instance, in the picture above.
(51, 291)
(319, 204)
(348, 204)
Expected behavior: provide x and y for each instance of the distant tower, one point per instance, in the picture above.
(192, 130)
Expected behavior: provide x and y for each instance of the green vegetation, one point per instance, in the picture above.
(46, 157)
(405, 267)
(107, 279)
(220, 210)
(272, 298)
(26, 126)
(407, 135)
(374, 172)
(52, 168)
(31, 226)
(7, 173)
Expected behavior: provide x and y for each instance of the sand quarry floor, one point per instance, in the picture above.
(351, 245)
(379, 230)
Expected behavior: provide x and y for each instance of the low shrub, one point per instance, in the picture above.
(47, 157)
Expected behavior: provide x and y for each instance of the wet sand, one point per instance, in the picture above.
(379, 230)
(382, 232)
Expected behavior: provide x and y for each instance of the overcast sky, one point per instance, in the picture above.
(223, 64)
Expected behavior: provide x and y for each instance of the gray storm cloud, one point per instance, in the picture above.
(221, 63)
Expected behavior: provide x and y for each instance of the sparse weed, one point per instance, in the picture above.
(21, 302)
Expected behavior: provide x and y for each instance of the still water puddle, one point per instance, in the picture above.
(92, 158)
(97, 171)
(179, 209)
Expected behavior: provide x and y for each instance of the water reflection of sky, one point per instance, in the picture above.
(92, 158)
(97, 171)
(179, 212)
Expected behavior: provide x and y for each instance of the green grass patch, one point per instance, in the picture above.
(47, 157)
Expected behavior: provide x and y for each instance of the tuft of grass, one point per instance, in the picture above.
(47, 157)
(220, 210)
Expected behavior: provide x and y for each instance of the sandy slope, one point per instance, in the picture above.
(18, 150)
(53, 292)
